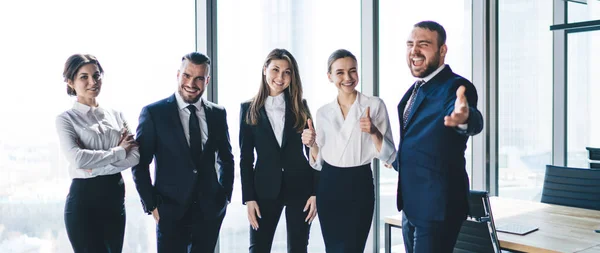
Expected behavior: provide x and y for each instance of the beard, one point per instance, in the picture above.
(432, 65)
(188, 99)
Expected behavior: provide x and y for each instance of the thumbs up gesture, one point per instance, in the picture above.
(309, 135)
(365, 123)
(460, 115)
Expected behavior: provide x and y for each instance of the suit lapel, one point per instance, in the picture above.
(288, 121)
(427, 88)
(266, 127)
(209, 114)
(177, 126)
(402, 105)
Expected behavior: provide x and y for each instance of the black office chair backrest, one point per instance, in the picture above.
(478, 232)
(576, 187)
(593, 153)
(594, 157)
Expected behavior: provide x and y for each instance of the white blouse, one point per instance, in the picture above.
(275, 108)
(89, 138)
(342, 143)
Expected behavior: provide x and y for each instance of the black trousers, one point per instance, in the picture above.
(95, 214)
(193, 233)
(345, 200)
(430, 236)
(297, 229)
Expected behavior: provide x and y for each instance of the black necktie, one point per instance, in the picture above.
(195, 135)
(411, 102)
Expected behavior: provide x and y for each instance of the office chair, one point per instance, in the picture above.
(575, 187)
(478, 232)
(594, 157)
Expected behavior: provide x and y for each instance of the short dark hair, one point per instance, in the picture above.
(196, 58)
(338, 54)
(73, 64)
(435, 27)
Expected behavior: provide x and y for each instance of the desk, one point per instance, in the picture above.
(561, 228)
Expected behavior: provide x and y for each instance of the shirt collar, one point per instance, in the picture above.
(183, 105)
(83, 108)
(275, 101)
(433, 74)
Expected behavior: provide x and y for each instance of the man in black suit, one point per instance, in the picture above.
(437, 116)
(184, 134)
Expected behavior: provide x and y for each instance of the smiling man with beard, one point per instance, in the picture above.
(437, 115)
(185, 135)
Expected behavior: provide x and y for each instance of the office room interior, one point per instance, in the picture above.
(534, 64)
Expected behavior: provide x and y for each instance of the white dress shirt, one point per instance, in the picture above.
(275, 107)
(341, 142)
(184, 115)
(89, 138)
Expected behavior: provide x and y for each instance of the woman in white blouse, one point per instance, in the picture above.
(98, 146)
(351, 131)
(271, 124)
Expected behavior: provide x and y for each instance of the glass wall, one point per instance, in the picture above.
(524, 97)
(247, 32)
(396, 22)
(140, 54)
(583, 91)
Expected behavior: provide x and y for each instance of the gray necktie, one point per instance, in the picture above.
(411, 102)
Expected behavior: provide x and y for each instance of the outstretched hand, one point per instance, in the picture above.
(460, 115)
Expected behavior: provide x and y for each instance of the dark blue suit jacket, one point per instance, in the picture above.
(433, 183)
(161, 137)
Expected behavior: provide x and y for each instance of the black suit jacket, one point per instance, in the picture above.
(433, 183)
(161, 137)
(263, 179)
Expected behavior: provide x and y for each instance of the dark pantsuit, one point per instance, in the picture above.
(95, 214)
(173, 236)
(345, 202)
(430, 236)
(297, 229)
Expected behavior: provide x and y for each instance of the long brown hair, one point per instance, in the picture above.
(293, 92)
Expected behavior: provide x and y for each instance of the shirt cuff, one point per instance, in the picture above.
(120, 153)
(317, 163)
(463, 127)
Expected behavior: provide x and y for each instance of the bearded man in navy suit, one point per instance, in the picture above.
(437, 115)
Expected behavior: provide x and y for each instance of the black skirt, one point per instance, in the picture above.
(345, 203)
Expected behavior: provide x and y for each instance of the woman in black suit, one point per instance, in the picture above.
(271, 124)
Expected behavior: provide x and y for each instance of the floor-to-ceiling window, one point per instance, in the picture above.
(395, 23)
(140, 54)
(524, 96)
(247, 32)
(583, 90)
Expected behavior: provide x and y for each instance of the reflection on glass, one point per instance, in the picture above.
(396, 22)
(583, 91)
(247, 31)
(524, 97)
(141, 55)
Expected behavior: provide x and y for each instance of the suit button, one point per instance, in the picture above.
(282, 169)
(195, 171)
